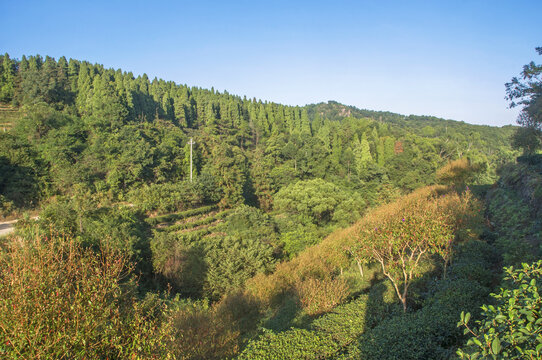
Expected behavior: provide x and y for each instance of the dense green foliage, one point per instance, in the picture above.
(510, 329)
(125, 137)
(373, 326)
(515, 213)
(527, 92)
(254, 255)
(217, 253)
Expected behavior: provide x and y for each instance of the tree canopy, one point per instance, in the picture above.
(526, 91)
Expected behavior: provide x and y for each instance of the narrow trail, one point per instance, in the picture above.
(7, 227)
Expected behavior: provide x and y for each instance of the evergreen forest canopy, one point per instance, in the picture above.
(111, 132)
(283, 235)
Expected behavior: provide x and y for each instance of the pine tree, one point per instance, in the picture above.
(7, 78)
(261, 181)
(305, 124)
(106, 105)
(324, 135)
(336, 151)
(64, 92)
(84, 88)
(362, 153)
(228, 169)
(73, 74)
(380, 152)
(389, 148)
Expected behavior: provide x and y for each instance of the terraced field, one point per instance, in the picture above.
(195, 223)
(8, 117)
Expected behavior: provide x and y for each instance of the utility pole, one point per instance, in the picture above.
(191, 142)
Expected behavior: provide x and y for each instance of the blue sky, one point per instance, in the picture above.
(443, 58)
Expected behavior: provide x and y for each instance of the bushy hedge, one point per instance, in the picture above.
(329, 333)
(180, 215)
(166, 197)
(58, 300)
(293, 344)
(510, 329)
(431, 332)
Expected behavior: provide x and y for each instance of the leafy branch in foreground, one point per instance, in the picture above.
(513, 328)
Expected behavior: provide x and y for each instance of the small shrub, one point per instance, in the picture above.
(166, 197)
(232, 260)
(512, 328)
(58, 300)
(203, 331)
(321, 295)
(292, 344)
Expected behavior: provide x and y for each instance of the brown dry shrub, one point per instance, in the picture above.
(202, 331)
(318, 296)
(61, 301)
(457, 172)
(312, 263)
(320, 264)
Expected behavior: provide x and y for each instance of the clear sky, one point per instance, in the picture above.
(444, 58)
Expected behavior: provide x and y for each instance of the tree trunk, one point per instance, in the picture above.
(360, 267)
(402, 296)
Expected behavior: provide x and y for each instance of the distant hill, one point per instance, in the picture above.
(423, 125)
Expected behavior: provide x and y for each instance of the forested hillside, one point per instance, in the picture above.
(112, 132)
(281, 243)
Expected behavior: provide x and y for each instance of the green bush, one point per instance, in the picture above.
(203, 331)
(166, 197)
(319, 201)
(181, 215)
(6, 206)
(247, 222)
(292, 344)
(297, 240)
(471, 262)
(121, 228)
(231, 261)
(179, 262)
(512, 328)
(430, 332)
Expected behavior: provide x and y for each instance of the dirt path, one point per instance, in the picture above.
(7, 227)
